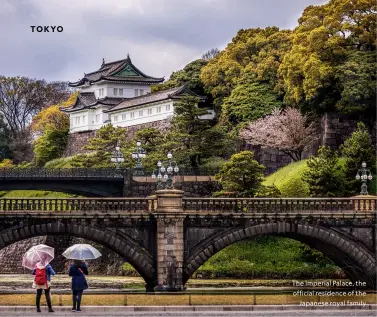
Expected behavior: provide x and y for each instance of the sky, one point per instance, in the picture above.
(161, 36)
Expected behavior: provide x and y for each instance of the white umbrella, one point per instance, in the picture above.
(81, 252)
(39, 253)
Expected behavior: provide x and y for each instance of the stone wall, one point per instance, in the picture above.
(193, 186)
(77, 140)
(334, 129)
(109, 263)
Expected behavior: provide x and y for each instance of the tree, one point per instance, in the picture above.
(258, 51)
(213, 52)
(21, 98)
(5, 141)
(102, 146)
(325, 176)
(242, 174)
(152, 141)
(192, 138)
(287, 130)
(357, 149)
(357, 83)
(326, 38)
(189, 75)
(52, 116)
(248, 101)
(50, 145)
(51, 126)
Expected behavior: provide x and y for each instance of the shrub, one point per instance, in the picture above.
(242, 174)
(324, 175)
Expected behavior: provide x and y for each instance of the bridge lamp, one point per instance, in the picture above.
(165, 171)
(117, 157)
(364, 175)
(138, 154)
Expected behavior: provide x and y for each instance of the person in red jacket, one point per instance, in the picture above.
(41, 282)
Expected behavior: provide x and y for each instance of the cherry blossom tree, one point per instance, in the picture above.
(287, 130)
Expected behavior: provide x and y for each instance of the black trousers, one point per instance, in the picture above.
(76, 297)
(48, 297)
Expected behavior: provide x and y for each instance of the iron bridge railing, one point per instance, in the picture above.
(60, 173)
(279, 205)
(77, 205)
(72, 173)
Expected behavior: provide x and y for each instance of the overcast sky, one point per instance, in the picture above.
(160, 35)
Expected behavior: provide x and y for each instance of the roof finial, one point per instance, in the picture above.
(103, 61)
(128, 56)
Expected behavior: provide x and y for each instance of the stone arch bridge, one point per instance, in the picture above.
(167, 237)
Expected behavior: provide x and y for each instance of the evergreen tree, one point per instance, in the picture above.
(192, 138)
(102, 146)
(242, 175)
(325, 176)
(357, 149)
(249, 101)
(5, 140)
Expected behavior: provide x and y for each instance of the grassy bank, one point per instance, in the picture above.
(34, 194)
(265, 257)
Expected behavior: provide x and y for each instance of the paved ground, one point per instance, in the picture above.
(315, 313)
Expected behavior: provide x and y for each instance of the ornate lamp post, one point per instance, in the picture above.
(117, 157)
(364, 174)
(166, 170)
(139, 154)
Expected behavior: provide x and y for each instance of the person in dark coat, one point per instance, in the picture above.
(78, 270)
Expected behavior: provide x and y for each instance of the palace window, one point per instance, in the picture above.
(140, 113)
(136, 92)
(141, 92)
(158, 109)
(115, 118)
(124, 117)
(167, 107)
(149, 111)
(101, 92)
(132, 115)
(120, 91)
(77, 120)
(115, 91)
(83, 119)
(97, 118)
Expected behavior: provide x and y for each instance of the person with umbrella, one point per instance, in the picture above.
(37, 259)
(78, 269)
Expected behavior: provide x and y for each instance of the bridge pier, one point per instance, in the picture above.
(169, 240)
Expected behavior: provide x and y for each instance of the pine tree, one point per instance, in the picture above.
(357, 149)
(325, 176)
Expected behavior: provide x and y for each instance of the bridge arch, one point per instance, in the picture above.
(357, 262)
(121, 244)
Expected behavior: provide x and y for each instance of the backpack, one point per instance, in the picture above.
(40, 276)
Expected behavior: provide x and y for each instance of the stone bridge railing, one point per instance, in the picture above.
(77, 204)
(279, 205)
(202, 205)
